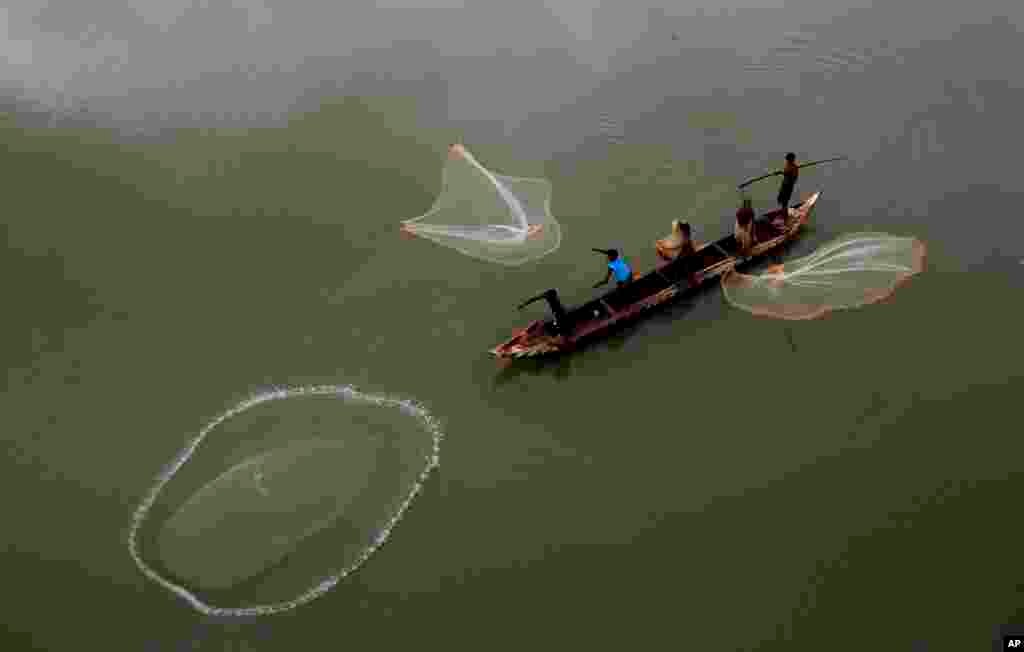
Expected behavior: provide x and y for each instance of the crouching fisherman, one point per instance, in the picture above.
(677, 244)
(617, 266)
(744, 229)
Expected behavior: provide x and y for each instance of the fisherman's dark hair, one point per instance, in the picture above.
(790, 156)
(685, 228)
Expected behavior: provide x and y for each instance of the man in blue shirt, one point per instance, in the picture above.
(618, 266)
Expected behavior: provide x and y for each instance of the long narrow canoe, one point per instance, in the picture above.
(567, 329)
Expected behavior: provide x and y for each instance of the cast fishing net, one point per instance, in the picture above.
(282, 496)
(491, 217)
(851, 271)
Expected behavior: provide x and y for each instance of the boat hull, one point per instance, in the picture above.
(659, 286)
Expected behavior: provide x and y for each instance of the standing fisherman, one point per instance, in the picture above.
(790, 172)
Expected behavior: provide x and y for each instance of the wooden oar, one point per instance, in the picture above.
(778, 172)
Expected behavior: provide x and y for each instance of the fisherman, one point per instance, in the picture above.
(561, 319)
(677, 244)
(744, 229)
(618, 266)
(790, 173)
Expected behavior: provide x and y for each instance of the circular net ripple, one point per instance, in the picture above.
(300, 510)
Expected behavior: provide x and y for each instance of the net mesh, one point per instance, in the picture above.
(488, 216)
(849, 272)
(255, 513)
(282, 496)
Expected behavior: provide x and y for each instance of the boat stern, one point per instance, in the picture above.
(528, 342)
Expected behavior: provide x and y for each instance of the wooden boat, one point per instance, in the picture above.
(567, 329)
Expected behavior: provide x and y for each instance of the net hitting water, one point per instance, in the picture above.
(256, 512)
(297, 488)
(849, 272)
(488, 216)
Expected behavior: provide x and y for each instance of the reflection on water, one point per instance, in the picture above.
(558, 368)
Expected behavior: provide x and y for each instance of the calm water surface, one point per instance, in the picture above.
(200, 221)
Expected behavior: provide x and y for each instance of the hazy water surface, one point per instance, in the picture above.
(202, 201)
